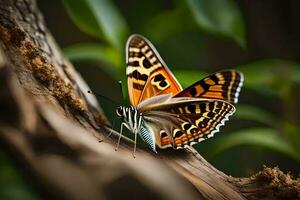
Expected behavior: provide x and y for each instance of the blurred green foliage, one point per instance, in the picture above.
(220, 17)
(12, 184)
(264, 137)
(100, 18)
(272, 78)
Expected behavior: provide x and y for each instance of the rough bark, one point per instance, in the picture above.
(51, 127)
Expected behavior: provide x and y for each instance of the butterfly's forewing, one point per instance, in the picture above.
(147, 74)
(223, 85)
(186, 121)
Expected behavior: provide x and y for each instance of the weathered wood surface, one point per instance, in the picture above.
(51, 126)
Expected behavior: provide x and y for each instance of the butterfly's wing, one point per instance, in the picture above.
(224, 85)
(185, 121)
(147, 74)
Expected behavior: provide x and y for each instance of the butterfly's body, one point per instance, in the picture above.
(163, 114)
(134, 121)
(131, 117)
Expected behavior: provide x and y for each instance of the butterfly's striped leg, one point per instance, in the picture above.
(119, 139)
(120, 135)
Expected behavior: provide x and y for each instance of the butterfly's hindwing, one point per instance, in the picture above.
(147, 74)
(223, 85)
(201, 122)
(189, 122)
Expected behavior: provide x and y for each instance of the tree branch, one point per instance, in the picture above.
(51, 126)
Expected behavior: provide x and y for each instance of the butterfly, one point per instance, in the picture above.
(165, 115)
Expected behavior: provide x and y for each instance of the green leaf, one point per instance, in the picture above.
(159, 27)
(271, 76)
(91, 51)
(263, 137)
(97, 18)
(95, 52)
(220, 17)
(80, 13)
(188, 77)
(254, 113)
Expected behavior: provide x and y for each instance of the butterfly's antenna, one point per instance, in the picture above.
(121, 90)
(102, 96)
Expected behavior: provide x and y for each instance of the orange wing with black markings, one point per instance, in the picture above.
(187, 121)
(147, 74)
(224, 85)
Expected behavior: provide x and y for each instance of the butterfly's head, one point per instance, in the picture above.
(128, 114)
